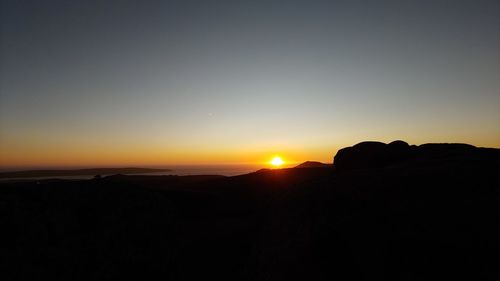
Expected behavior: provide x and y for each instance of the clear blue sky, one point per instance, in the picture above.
(162, 82)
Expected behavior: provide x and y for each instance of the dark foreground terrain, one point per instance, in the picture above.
(433, 213)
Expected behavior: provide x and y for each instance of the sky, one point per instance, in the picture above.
(100, 83)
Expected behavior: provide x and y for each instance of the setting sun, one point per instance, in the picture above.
(277, 161)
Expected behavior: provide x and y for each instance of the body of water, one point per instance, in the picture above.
(224, 170)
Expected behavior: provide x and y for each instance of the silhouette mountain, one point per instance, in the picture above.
(313, 164)
(386, 212)
(372, 154)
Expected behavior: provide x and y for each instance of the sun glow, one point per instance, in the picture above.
(277, 161)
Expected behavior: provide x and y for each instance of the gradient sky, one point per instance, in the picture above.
(196, 82)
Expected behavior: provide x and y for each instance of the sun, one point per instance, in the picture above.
(277, 161)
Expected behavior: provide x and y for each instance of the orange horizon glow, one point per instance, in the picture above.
(152, 157)
(27, 152)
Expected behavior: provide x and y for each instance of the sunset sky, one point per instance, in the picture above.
(99, 83)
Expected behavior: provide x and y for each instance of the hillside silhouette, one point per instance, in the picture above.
(313, 164)
(371, 154)
(380, 212)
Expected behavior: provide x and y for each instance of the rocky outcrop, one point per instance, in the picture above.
(371, 154)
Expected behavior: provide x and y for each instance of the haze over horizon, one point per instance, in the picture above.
(145, 83)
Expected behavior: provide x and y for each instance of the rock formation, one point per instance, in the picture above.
(371, 154)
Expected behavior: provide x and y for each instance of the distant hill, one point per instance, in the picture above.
(78, 172)
(314, 164)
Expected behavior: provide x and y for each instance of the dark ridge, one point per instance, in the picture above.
(313, 164)
(78, 172)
